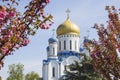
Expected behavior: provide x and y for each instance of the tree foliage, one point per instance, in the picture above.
(16, 72)
(32, 76)
(82, 71)
(16, 27)
(104, 52)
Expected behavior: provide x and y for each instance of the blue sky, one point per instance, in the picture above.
(83, 12)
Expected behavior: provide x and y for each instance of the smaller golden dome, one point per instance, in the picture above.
(68, 27)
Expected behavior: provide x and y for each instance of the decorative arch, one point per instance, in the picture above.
(72, 59)
(53, 70)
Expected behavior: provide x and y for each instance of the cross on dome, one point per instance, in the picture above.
(67, 11)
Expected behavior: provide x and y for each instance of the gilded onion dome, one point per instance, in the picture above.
(68, 27)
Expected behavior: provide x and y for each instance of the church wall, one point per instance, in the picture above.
(45, 72)
(53, 64)
(63, 63)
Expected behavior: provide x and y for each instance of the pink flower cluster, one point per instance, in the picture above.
(5, 14)
(26, 42)
(12, 39)
(11, 34)
(5, 48)
(44, 26)
(14, 28)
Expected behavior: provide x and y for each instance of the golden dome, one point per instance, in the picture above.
(68, 27)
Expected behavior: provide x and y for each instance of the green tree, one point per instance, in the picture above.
(16, 72)
(82, 71)
(32, 76)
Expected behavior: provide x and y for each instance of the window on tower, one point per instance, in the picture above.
(53, 50)
(59, 45)
(75, 45)
(53, 72)
(64, 45)
(65, 67)
(70, 44)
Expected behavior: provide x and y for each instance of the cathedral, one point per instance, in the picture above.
(62, 52)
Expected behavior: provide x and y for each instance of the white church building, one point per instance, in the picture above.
(62, 52)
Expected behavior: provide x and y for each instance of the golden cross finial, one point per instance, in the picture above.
(67, 11)
(53, 32)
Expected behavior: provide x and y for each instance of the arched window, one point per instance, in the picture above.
(75, 45)
(65, 67)
(53, 51)
(59, 45)
(64, 45)
(53, 72)
(70, 44)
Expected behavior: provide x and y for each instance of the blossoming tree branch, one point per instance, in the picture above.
(15, 28)
(104, 52)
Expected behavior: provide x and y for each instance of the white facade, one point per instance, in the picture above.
(61, 52)
(52, 52)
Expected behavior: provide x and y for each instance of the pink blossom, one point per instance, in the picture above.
(18, 33)
(27, 41)
(46, 1)
(20, 39)
(2, 15)
(11, 14)
(44, 26)
(17, 46)
(10, 33)
(14, 28)
(5, 37)
(8, 44)
(4, 50)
